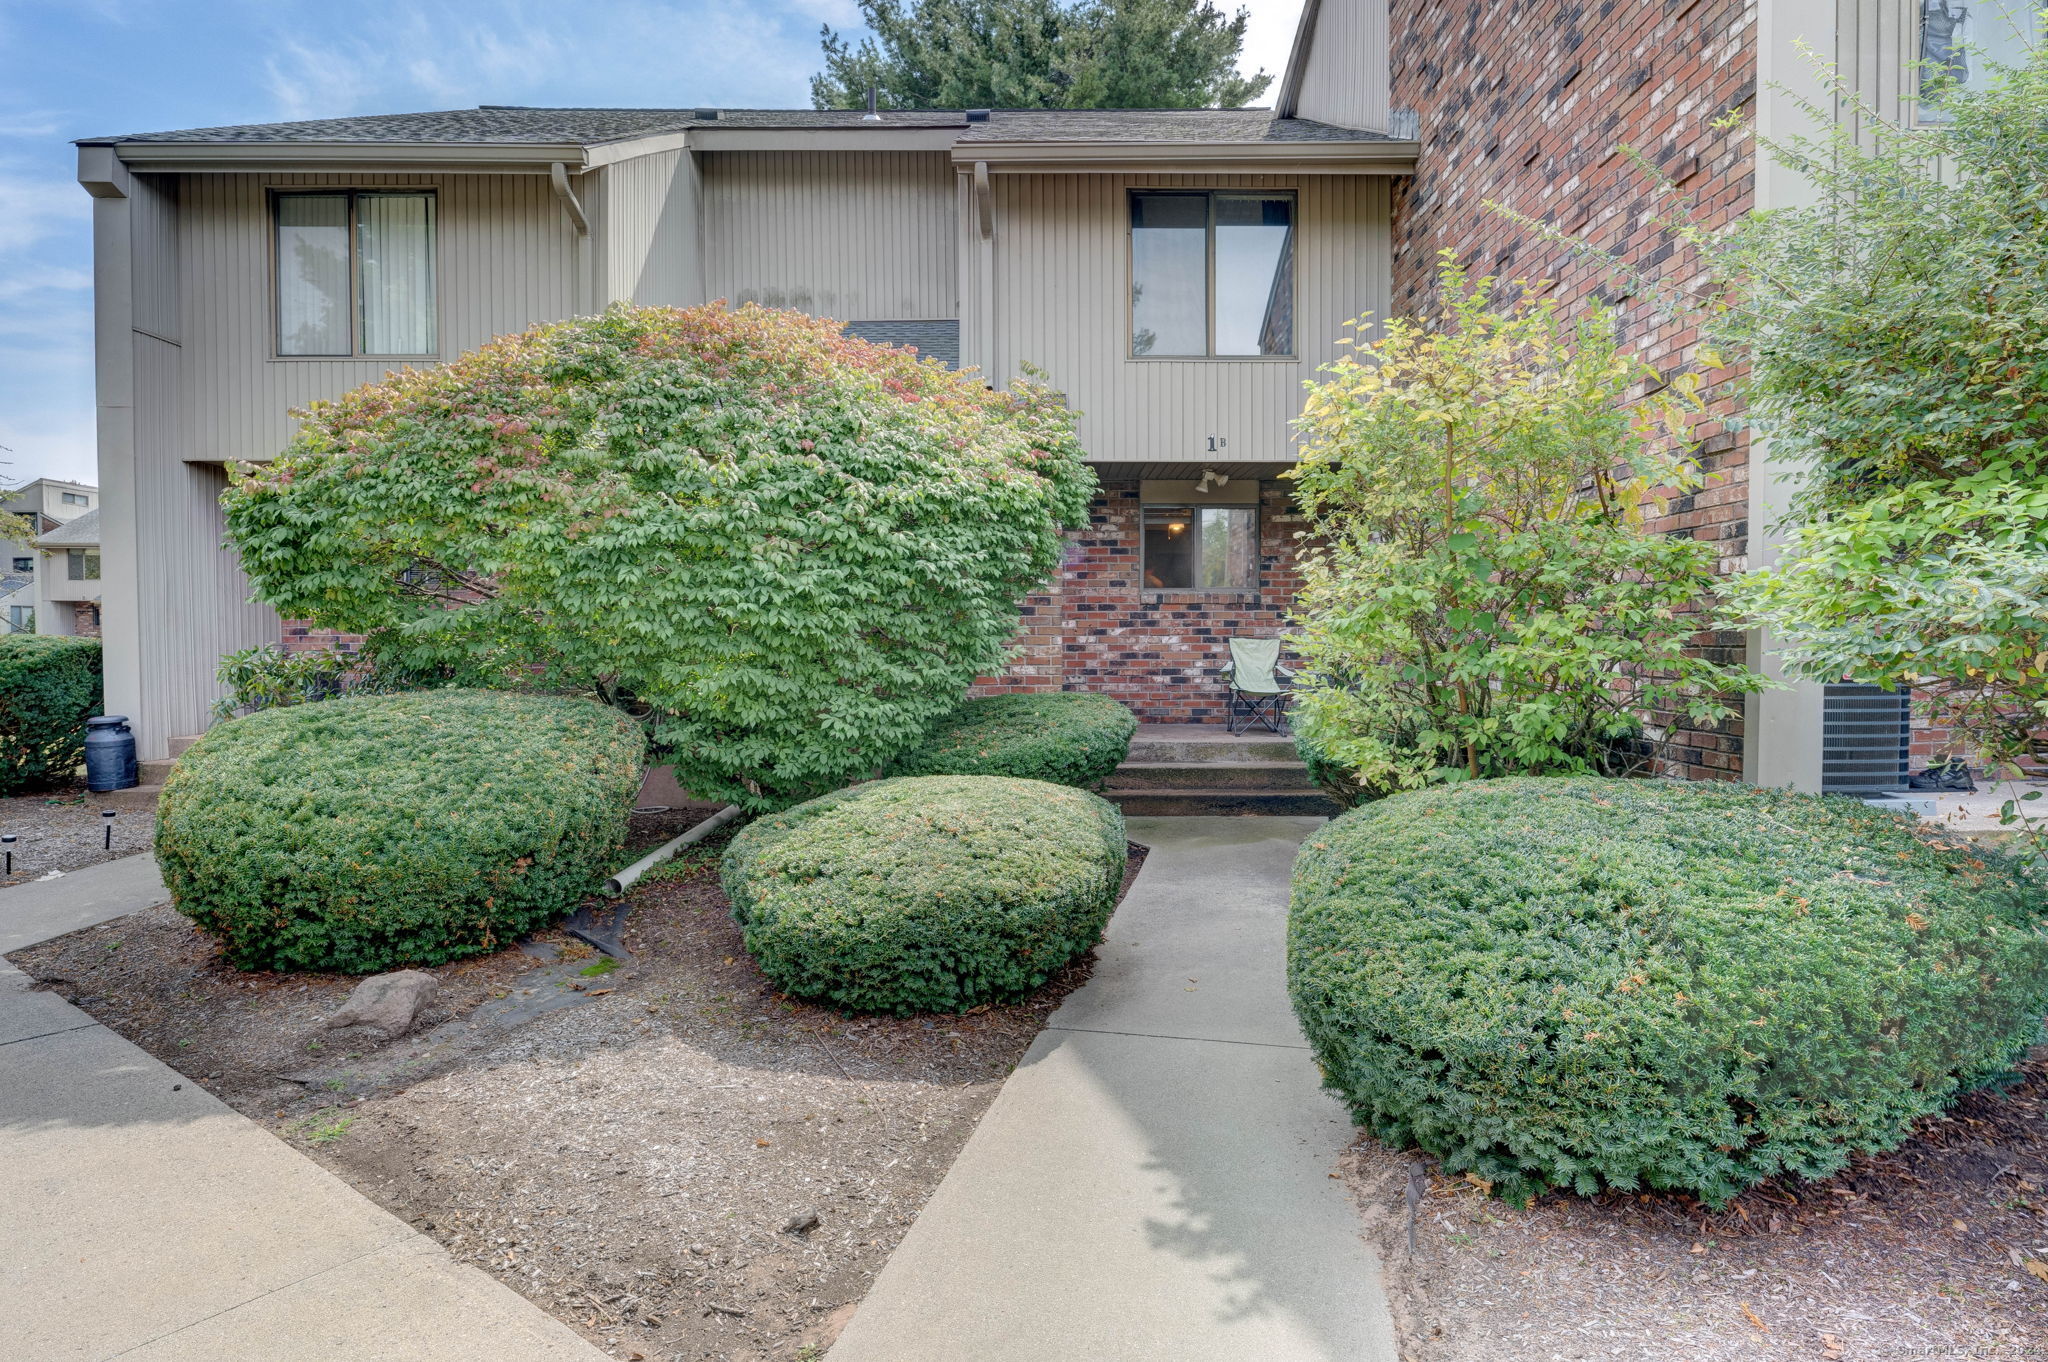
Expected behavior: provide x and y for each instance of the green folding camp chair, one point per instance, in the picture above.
(1258, 685)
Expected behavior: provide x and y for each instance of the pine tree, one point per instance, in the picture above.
(1039, 54)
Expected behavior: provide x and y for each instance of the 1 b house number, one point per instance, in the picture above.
(1217, 444)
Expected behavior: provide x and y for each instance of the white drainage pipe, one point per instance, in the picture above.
(619, 883)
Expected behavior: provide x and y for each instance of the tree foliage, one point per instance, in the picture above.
(788, 549)
(1896, 329)
(1039, 54)
(1480, 596)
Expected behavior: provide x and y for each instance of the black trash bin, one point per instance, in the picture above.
(109, 753)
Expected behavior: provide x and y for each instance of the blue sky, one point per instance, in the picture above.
(87, 68)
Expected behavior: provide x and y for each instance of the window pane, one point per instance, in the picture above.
(1961, 38)
(1229, 547)
(312, 274)
(1169, 274)
(1204, 548)
(1254, 275)
(395, 265)
(1169, 547)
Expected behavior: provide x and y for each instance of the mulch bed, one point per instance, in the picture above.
(645, 1164)
(1936, 1250)
(62, 830)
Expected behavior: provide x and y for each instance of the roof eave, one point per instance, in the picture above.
(1288, 100)
(485, 157)
(1374, 157)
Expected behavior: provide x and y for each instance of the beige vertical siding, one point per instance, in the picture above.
(1875, 42)
(507, 258)
(1062, 285)
(647, 222)
(154, 225)
(861, 236)
(1346, 80)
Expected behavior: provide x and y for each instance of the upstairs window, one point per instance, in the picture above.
(1960, 39)
(82, 565)
(24, 565)
(76, 499)
(355, 273)
(1212, 273)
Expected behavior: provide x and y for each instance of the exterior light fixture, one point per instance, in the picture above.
(7, 841)
(107, 818)
(1211, 478)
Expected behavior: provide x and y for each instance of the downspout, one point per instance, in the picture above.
(985, 271)
(586, 261)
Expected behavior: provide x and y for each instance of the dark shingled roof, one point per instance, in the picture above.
(510, 125)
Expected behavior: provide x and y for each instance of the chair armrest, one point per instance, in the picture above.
(1284, 673)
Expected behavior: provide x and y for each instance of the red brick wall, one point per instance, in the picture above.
(85, 619)
(1157, 651)
(1530, 103)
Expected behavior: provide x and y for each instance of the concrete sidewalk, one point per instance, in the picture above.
(144, 1220)
(1154, 1180)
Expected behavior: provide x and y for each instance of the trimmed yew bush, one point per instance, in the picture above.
(926, 893)
(789, 550)
(50, 685)
(1592, 984)
(1068, 738)
(378, 831)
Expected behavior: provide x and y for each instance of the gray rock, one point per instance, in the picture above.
(801, 1223)
(391, 1003)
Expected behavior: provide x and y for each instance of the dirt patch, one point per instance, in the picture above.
(62, 830)
(1924, 1252)
(667, 1154)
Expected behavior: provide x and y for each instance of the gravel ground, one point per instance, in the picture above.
(1937, 1250)
(644, 1159)
(62, 830)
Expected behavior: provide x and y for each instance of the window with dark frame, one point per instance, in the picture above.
(24, 565)
(82, 565)
(1212, 273)
(355, 273)
(1200, 548)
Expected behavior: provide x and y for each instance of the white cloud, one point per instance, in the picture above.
(36, 206)
(1268, 37)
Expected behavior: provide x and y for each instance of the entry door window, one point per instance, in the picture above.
(1201, 548)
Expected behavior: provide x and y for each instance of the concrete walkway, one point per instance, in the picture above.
(1154, 1180)
(144, 1220)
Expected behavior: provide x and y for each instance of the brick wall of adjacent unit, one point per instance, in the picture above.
(1157, 651)
(85, 619)
(1531, 103)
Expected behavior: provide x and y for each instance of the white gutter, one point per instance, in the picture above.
(558, 176)
(174, 157)
(619, 883)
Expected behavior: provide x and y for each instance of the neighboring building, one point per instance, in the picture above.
(1178, 274)
(67, 581)
(47, 504)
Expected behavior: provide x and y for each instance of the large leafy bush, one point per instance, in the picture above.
(1480, 596)
(1595, 984)
(789, 549)
(49, 686)
(1069, 738)
(377, 831)
(1896, 329)
(926, 893)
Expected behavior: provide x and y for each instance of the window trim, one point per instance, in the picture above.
(1256, 584)
(85, 559)
(1292, 193)
(271, 194)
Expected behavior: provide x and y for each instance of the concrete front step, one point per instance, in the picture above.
(1212, 775)
(1220, 749)
(1198, 803)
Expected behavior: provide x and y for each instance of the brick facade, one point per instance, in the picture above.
(1534, 104)
(85, 619)
(1098, 629)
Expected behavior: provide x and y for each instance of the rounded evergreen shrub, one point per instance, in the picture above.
(49, 686)
(926, 893)
(376, 831)
(1069, 738)
(1593, 984)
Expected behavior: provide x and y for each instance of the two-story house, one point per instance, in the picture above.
(1178, 274)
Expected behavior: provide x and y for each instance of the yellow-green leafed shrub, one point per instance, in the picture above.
(926, 893)
(1069, 738)
(49, 687)
(377, 831)
(1593, 984)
